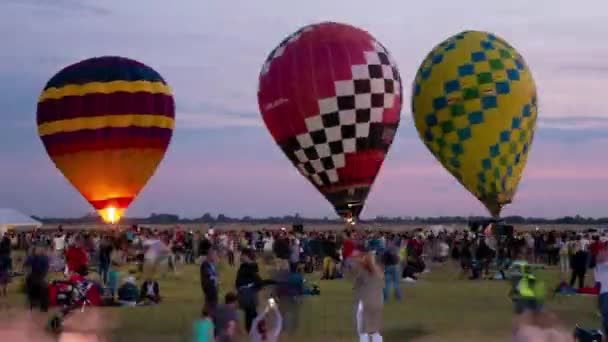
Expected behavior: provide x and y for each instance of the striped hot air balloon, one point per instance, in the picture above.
(106, 123)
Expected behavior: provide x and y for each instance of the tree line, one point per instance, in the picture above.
(208, 218)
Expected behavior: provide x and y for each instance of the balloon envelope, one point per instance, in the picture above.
(106, 123)
(475, 106)
(330, 95)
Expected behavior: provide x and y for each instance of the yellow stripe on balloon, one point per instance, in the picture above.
(105, 88)
(114, 121)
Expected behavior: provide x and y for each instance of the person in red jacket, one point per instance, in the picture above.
(76, 257)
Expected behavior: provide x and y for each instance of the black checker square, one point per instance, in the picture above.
(336, 147)
(389, 86)
(375, 71)
(377, 100)
(328, 163)
(348, 131)
(346, 102)
(363, 115)
(331, 119)
(318, 137)
(363, 86)
(311, 153)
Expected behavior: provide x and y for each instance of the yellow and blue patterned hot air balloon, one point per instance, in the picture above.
(474, 104)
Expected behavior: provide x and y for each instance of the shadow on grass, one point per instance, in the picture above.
(405, 333)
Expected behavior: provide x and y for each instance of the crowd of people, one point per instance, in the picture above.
(375, 261)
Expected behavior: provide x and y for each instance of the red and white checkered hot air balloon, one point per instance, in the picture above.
(330, 95)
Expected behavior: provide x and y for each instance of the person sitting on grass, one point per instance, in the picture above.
(150, 292)
(128, 293)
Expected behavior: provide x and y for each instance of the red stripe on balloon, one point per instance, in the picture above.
(107, 139)
(118, 203)
(98, 104)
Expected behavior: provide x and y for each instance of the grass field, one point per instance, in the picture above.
(438, 308)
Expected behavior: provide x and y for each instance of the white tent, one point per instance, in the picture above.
(11, 218)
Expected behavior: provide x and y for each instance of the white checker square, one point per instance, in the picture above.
(328, 105)
(323, 150)
(332, 175)
(372, 57)
(360, 72)
(316, 164)
(389, 100)
(348, 117)
(301, 156)
(305, 140)
(363, 101)
(345, 88)
(362, 130)
(349, 145)
(339, 160)
(314, 123)
(333, 133)
(387, 71)
(377, 85)
(376, 114)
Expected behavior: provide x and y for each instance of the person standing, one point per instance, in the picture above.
(248, 283)
(368, 291)
(210, 281)
(105, 258)
(578, 263)
(36, 280)
(390, 259)
(601, 276)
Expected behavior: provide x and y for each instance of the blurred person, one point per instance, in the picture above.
(105, 258)
(128, 293)
(528, 293)
(564, 257)
(601, 276)
(76, 257)
(226, 320)
(539, 327)
(578, 263)
(210, 281)
(390, 260)
(36, 283)
(204, 330)
(262, 331)
(248, 283)
(368, 292)
(150, 291)
(59, 244)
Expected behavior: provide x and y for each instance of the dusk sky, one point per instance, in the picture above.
(223, 160)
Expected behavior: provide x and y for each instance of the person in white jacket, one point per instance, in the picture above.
(260, 330)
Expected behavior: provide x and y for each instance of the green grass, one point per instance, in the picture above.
(438, 308)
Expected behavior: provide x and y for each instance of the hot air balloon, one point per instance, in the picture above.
(106, 123)
(330, 95)
(474, 104)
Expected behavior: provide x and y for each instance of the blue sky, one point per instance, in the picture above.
(222, 160)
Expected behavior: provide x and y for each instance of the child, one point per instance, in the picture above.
(203, 328)
(113, 277)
